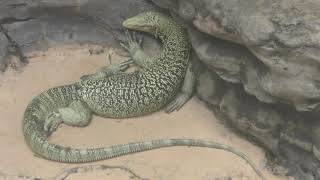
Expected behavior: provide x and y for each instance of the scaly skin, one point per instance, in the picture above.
(118, 95)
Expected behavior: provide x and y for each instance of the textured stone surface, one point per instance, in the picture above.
(245, 112)
(39, 24)
(14, 10)
(279, 129)
(50, 31)
(4, 44)
(232, 62)
(283, 35)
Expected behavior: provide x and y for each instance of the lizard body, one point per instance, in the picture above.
(163, 80)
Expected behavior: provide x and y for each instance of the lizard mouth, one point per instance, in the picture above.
(136, 23)
(127, 23)
(133, 24)
(140, 22)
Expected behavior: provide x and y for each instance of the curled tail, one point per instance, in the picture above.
(52, 99)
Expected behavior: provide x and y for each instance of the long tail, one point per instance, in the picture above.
(54, 98)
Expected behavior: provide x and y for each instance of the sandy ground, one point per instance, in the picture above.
(63, 65)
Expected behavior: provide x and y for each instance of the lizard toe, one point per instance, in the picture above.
(177, 103)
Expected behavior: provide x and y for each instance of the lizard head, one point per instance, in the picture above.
(147, 22)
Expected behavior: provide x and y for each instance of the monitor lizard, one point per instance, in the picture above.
(165, 81)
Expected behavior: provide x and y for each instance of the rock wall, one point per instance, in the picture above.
(283, 36)
(261, 69)
(39, 24)
(4, 44)
(279, 129)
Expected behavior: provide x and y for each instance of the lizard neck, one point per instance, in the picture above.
(171, 64)
(176, 47)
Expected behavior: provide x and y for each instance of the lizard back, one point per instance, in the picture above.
(146, 90)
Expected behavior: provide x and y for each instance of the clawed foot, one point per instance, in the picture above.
(177, 103)
(117, 68)
(52, 123)
(108, 71)
(123, 66)
(133, 44)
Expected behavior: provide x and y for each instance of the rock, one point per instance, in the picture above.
(210, 88)
(4, 44)
(14, 10)
(283, 35)
(219, 55)
(40, 24)
(246, 113)
(232, 62)
(281, 130)
(42, 33)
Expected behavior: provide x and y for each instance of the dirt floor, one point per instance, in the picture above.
(65, 64)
